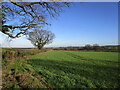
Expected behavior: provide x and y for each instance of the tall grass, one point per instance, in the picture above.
(17, 73)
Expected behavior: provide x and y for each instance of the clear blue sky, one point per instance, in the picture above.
(82, 23)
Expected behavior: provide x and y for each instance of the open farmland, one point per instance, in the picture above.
(74, 69)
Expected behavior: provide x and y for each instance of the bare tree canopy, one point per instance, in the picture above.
(19, 17)
(39, 38)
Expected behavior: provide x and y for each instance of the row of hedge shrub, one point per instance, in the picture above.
(91, 48)
(17, 54)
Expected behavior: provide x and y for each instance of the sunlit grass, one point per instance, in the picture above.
(77, 69)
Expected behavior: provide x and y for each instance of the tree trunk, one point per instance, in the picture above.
(40, 47)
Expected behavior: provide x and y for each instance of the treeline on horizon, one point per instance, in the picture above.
(88, 47)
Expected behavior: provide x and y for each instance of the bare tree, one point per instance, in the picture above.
(39, 38)
(88, 47)
(27, 15)
(96, 47)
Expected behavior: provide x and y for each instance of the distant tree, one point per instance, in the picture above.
(39, 38)
(118, 48)
(96, 47)
(88, 47)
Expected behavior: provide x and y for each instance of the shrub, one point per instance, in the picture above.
(17, 54)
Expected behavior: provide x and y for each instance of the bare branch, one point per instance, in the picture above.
(30, 14)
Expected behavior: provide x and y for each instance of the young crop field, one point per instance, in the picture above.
(75, 69)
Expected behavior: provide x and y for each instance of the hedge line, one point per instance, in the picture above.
(17, 54)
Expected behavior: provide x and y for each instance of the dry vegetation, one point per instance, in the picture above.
(17, 72)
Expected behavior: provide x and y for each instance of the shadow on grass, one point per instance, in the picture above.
(82, 71)
(95, 73)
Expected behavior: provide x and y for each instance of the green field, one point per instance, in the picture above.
(75, 69)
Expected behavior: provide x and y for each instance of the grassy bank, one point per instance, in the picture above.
(17, 73)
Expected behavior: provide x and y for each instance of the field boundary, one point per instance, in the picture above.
(39, 53)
